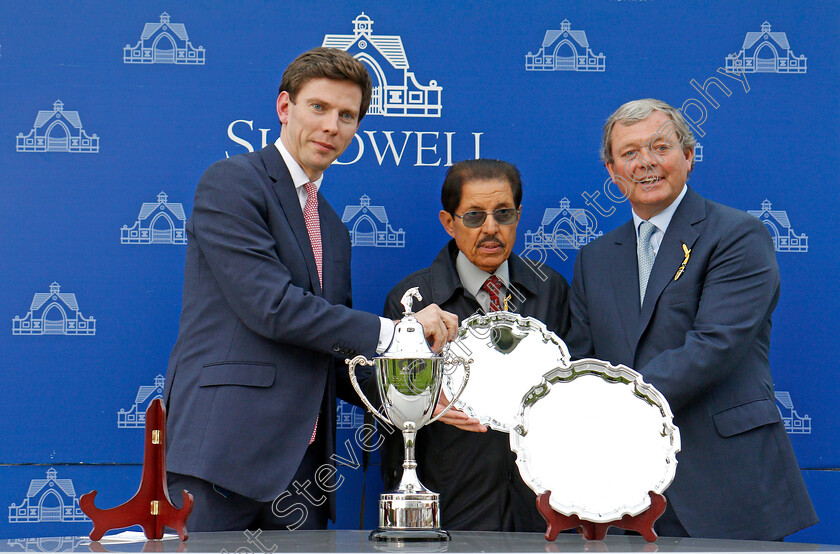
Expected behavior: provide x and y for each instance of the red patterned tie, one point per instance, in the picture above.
(315, 430)
(313, 227)
(493, 286)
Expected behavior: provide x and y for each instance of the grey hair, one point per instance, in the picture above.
(637, 110)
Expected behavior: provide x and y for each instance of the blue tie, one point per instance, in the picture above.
(646, 256)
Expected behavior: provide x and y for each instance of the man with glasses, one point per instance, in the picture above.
(472, 468)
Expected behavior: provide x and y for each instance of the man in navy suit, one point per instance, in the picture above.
(684, 294)
(266, 319)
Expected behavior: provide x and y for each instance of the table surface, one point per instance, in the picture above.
(357, 541)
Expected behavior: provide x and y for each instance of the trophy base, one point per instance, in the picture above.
(409, 535)
(409, 517)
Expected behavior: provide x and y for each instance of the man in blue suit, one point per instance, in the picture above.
(684, 294)
(266, 319)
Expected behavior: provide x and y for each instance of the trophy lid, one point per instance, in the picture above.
(409, 338)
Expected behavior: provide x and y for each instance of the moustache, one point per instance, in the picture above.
(491, 238)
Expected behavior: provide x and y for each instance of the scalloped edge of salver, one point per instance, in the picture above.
(486, 320)
(610, 373)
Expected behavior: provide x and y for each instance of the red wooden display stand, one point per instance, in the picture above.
(592, 531)
(150, 506)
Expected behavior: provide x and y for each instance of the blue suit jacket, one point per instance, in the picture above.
(258, 337)
(703, 341)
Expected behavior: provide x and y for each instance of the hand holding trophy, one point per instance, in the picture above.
(409, 377)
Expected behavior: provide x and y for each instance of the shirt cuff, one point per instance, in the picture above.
(386, 334)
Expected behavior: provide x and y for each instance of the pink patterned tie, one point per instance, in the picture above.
(493, 286)
(313, 227)
(315, 430)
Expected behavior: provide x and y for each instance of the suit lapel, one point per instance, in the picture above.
(625, 277)
(284, 188)
(328, 248)
(680, 232)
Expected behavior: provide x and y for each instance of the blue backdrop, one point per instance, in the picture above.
(110, 113)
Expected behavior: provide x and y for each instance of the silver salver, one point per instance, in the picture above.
(409, 376)
(510, 353)
(598, 437)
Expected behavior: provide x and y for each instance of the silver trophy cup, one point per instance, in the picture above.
(409, 376)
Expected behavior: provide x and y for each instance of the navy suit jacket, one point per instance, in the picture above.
(703, 341)
(258, 338)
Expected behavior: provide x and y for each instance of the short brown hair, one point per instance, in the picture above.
(329, 63)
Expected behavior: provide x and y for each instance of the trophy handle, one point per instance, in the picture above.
(466, 364)
(355, 382)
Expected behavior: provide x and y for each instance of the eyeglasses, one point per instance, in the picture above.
(503, 216)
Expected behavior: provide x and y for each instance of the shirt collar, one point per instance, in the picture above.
(663, 218)
(473, 278)
(299, 177)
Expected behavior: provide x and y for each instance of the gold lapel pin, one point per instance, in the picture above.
(681, 270)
